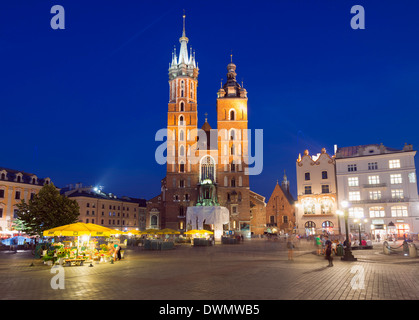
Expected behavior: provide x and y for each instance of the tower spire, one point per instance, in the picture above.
(183, 55)
(184, 17)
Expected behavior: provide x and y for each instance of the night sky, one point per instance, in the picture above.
(83, 104)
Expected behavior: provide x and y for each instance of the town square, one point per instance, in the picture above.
(207, 159)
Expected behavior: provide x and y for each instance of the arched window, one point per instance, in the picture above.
(232, 134)
(182, 106)
(181, 121)
(182, 167)
(233, 182)
(232, 115)
(207, 169)
(182, 89)
(181, 151)
(327, 224)
(153, 221)
(191, 90)
(181, 135)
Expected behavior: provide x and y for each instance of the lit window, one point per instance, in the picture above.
(325, 188)
(412, 177)
(354, 196)
(353, 182)
(399, 211)
(356, 212)
(375, 195)
(377, 212)
(392, 164)
(373, 179)
(396, 178)
(307, 190)
(397, 193)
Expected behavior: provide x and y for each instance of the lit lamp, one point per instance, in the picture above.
(347, 256)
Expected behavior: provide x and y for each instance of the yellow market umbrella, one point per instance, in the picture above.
(80, 229)
(168, 231)
(199, 232)
(150, 231)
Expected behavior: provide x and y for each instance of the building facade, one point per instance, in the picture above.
(379, 183)
(205, 166)
(16, 186)
(108, 210)
(316, 209)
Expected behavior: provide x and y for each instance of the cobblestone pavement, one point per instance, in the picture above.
(254, 270)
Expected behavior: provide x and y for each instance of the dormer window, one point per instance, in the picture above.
(19, 177)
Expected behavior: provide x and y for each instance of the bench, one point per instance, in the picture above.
(76, 262)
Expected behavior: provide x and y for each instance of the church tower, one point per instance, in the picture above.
(182, 121)
(233, 186)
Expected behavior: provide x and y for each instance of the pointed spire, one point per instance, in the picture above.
(184, 17)
(183, 55)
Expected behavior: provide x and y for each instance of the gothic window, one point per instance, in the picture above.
(182, 107)
(181, 136)
(182, 89)
(232, 115)
(207, 168)
(181, 121)
(181, 151)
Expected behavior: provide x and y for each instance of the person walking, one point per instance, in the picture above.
(328, 251)
(319, 245)
(290, 246)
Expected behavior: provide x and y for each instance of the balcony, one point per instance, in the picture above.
(376, 185)
(386, 200)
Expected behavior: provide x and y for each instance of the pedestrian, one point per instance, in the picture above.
(290, 246)
(117, 252)
(319, 245)
(328, 252)
(378, 237)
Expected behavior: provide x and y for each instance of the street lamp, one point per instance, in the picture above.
(359, 228)
(347, 256)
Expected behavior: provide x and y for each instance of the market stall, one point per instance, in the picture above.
(84, 243)
(201, 237)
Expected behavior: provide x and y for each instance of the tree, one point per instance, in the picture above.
(47, 209)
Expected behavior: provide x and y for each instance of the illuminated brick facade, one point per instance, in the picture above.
(204, 166)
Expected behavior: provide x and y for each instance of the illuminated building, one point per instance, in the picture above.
(205, 167)
(380, 185)
(16, 186)
(316, 189)
(106, 209)
(280, 210)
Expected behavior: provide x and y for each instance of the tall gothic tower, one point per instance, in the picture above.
(182, 121)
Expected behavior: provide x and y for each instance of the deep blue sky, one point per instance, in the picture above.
(83, 104)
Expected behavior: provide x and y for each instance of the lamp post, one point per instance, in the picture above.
(359, 228)
(347, 256)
